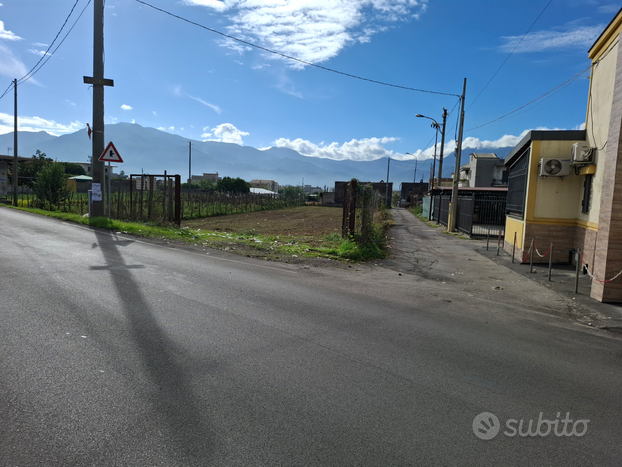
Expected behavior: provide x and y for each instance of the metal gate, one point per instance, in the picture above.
(477, 215)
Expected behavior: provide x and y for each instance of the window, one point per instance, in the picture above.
(517, 185)
(587, 191)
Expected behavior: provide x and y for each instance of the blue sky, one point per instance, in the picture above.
(189, 81)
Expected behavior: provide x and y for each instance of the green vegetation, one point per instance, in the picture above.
(291, 191)
(205, 184)
(233, 185)
(51, 185)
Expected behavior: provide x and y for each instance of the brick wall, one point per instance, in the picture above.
(608, 257)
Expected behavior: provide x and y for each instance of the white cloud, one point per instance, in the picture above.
(215, 108)
(215, 4)
(37, 124)
(133, 121)
(161, 128)
(11, 65)
(576, 37)
(8, 35)
(367, 149)
(313, 30)
(225, 133)
(40, 53)
(580, 126)
(172, 128)
(612, 8)
(154, 112)
(126, 107)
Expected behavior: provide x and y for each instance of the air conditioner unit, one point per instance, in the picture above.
(581, 153)
(554, 167)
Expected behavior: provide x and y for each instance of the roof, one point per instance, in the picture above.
(606, 36)
(484, 155)
(261, 191)
(543, 135)
(82, 178)
(473, 188)
(10, 158)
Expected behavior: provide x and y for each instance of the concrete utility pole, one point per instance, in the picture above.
(15, 167)
(98, 103)
(189, 162)
(453, 207)
(440, 158)
(387, 200)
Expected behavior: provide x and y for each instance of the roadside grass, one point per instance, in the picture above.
(417, 211)
(247, 242)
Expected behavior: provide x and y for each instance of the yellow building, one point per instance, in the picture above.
(565, 187)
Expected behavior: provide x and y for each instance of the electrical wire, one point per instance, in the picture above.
(513, 50)
(289, 57)
(47, 55)
(532, 101)
(30, 73)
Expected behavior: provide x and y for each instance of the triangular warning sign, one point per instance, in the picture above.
(110, 154)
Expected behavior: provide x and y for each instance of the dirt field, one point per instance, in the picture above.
(301, 221)
(303, 234)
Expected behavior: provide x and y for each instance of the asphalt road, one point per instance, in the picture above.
(119, 352)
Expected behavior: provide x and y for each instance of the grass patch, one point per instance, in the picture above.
(247, 242)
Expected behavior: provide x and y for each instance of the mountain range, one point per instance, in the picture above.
(148, 150)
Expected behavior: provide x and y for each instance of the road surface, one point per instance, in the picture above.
(116, 351)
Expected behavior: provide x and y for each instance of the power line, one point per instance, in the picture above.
(289, 57)
(30, 73)
(508, 57)
(531, 101)
(47, 55)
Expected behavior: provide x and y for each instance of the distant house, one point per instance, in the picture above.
(5, 163)
(88, 167)
(269, 185)
(483, 170)
(565, 187)
(308, 189)
(409, 189)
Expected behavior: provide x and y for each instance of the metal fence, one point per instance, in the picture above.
(477, 214)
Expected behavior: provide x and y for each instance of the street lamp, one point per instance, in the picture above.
(437, 127)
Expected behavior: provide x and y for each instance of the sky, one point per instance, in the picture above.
(198, 81)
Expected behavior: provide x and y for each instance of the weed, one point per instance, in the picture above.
(333, 237)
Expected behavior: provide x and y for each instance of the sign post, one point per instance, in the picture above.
(109, 155)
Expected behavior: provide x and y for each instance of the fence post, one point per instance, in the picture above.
(531, 256)
(550, 260)
(576, 279)
(178, 200)
(487, 238)
(499, 243)
(514, 247)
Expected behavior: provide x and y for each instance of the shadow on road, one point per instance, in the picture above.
(173, 399)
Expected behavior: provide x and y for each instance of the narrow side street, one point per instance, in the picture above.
(464, 264)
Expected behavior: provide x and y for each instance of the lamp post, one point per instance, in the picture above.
(437, 127)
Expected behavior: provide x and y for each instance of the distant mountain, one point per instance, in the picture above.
(26, 139)
(153, 151)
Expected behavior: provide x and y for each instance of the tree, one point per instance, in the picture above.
(236, 185)
(291, 191)
(72, 168)
(51, 185)
(29, 170)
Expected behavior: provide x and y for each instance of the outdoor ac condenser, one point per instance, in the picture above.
(581, 153)
(554, 167)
